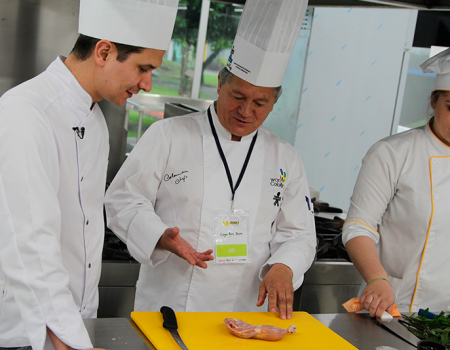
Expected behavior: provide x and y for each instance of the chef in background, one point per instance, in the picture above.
(397, 229)
(219, 191)
(53, 161)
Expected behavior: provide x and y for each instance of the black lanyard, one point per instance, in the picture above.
(224, 160)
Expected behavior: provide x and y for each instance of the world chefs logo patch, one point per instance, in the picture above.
(279, 182)
(282, 176)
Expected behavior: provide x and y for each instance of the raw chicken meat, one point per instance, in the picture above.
(244, 330)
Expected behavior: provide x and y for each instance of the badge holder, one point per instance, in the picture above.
(231, 238)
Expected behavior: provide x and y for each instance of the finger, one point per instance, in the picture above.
(374, 307)
(189, 258)
(380, 310)
(272, 296)
(361, 302)
(261, 295)
(382, 307)
(367, 302)
(205, 256)
(282, 305)
(187, 255)
(389, 309)
(201, 263)
(363, 297)
(171, 232)
(290, 304)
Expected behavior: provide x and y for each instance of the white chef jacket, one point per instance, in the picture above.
(401, 200)
(51, 225)
(175, 177)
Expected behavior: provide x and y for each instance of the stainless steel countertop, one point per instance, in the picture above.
(116, 334)
(360, 330)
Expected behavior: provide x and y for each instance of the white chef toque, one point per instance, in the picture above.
(143, 23)
(266, 35)
(439, 64)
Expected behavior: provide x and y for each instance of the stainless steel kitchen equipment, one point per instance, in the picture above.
(176, 109)
(332, 279)
(117, 288)
(165, 106)
(327, 285)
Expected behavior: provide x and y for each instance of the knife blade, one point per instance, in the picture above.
(399, 330)
(170, 323)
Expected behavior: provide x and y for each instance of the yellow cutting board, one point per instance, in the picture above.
(206, 330)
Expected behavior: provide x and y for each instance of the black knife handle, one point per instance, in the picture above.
(170, 320)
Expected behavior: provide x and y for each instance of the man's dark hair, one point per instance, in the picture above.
(84, 46)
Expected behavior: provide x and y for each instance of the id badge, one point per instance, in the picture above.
(231, 238)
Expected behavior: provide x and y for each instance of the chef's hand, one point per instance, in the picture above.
(58, 344)
(174, 243)
(377, 297)
(277, 283)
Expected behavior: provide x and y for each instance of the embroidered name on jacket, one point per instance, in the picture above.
(178, 178)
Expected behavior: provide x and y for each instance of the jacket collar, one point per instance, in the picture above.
(440, 146)
(221, 131)
(70, 85)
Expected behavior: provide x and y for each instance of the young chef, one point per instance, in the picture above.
(397, 226)
(53, 160)
(219, 179)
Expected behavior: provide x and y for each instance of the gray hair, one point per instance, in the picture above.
(225, 76)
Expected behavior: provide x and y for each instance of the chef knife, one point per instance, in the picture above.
(170, 323)
(393, 326)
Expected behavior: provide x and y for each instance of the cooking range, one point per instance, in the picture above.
(332, 278)
(329, 222)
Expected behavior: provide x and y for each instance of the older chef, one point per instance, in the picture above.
(53, 160)
(397, 230)
(218, 179)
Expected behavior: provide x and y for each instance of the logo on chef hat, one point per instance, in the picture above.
(225, 223)
(282, 176)
(230, 59)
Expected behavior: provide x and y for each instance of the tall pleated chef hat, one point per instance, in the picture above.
(439, 64)
(266, 35)
(143, 23)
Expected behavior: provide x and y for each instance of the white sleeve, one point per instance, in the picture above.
(374, 189)
(30, 223)
(294, 241)
(131, 197)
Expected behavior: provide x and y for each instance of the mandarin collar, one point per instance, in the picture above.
(221, 131)
(435, 141)
(69, 83)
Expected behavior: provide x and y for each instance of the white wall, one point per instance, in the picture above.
(283, 119)
(349, 93)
